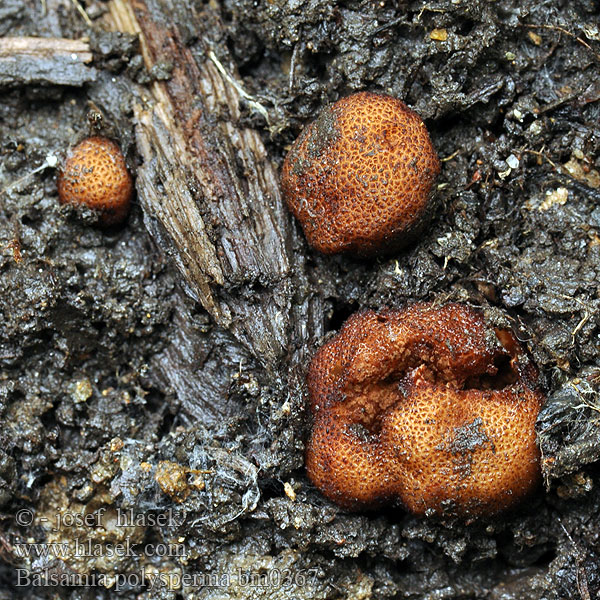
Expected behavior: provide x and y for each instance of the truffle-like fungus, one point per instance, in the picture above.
(95, 175)
(359, 178)
(428, 406)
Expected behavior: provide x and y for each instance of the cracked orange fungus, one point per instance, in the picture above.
(427, 406)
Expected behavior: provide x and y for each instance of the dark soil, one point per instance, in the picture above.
(119, 393)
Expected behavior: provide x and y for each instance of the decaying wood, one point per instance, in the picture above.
(49, 61)
(210, 194)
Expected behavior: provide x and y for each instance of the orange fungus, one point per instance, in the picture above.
(359, 178)
(427, 406)
(95, 175)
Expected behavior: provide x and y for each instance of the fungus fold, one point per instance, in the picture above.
(427, 406)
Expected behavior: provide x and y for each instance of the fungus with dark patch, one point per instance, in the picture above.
(427, 406)
(359, 178)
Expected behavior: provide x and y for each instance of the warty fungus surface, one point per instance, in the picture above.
(359, 178)
(427, 406)
(95, 175)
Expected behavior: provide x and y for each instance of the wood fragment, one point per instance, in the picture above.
(209, 192)
(12, 46)
(44, 61)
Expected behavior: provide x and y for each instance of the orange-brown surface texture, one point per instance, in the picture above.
(359, 178)
(427, 406)
(95, 175)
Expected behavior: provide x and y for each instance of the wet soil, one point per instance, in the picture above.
(121, 397)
